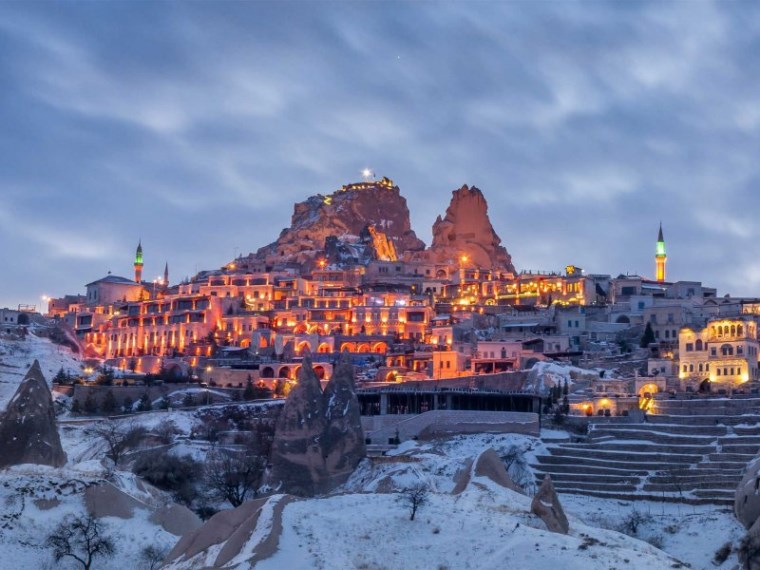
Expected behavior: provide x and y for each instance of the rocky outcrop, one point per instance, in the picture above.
(240, 537)
(343, 215)
(546, 506)
(465, 235)
(318, 437)
(487, 465)
(28, 432)
(747, 498)
(490, 465)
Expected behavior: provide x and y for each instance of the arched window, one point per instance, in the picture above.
(698, 344)
(700, 367)
(733, 330)
(691, 368)
(740, 330)
(718, 372)
(727, 350)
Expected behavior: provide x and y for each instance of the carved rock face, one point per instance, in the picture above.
(466, 230)
(318, 438)
(546, 506)
(344, 214)
(28, 432)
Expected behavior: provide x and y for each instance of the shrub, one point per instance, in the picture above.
(722, 554)
(172, 473)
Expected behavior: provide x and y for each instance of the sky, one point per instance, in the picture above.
(195, 127)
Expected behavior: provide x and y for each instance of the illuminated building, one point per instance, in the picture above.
(724, 352)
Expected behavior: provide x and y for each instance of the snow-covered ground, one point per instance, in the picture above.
(16, 356)
(36, 499)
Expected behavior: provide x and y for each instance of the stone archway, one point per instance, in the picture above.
(284, 372)
(380, 348)
(320, 372)
(23, 319)
(267, 372)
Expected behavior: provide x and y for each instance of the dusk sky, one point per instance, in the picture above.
(196, 126)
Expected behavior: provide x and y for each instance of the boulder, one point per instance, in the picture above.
(490, 465)
(747, 497)
(107, 500)
(749, 545)
(28, 432)
(318, 438)
(546, 506)
(242, 536)
(466, 230)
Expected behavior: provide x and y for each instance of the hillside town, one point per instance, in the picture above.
(348, 358)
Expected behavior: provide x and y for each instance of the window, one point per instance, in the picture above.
(689, 347)
(714, 351)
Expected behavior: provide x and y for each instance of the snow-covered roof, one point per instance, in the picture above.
(113, 279)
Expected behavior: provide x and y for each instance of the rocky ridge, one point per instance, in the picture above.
(370, 221)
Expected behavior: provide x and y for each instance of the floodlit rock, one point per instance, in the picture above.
(28, 432)
(344, 215)
(240, 537)
(546, 506)
(747, 498)
(466, 230)
(318, 437)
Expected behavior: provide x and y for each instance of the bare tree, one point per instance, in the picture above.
(153, 556)
(118, 437)
(414, 498)
(80, 538)
(234, 476)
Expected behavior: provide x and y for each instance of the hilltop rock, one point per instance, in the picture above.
(318, 438)
(28, 432)
(345, 215)
(466, 230)
(547, 507)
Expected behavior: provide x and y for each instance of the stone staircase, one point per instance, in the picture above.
(675, 457)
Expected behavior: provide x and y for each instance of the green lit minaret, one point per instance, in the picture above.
(138, 263)
(660, 257)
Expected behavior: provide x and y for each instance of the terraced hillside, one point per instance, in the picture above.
(677, 455)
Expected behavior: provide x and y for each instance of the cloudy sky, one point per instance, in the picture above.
(195, 127)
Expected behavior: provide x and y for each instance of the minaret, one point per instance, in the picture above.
(138, 263)
(660, 257)
(166, 275)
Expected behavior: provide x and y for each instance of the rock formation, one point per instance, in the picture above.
(490, 465)
(318, 438)
(747, 498)
(28, 432)
(546, 506)
(344, 215)
(240, 537)
(466, 231)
